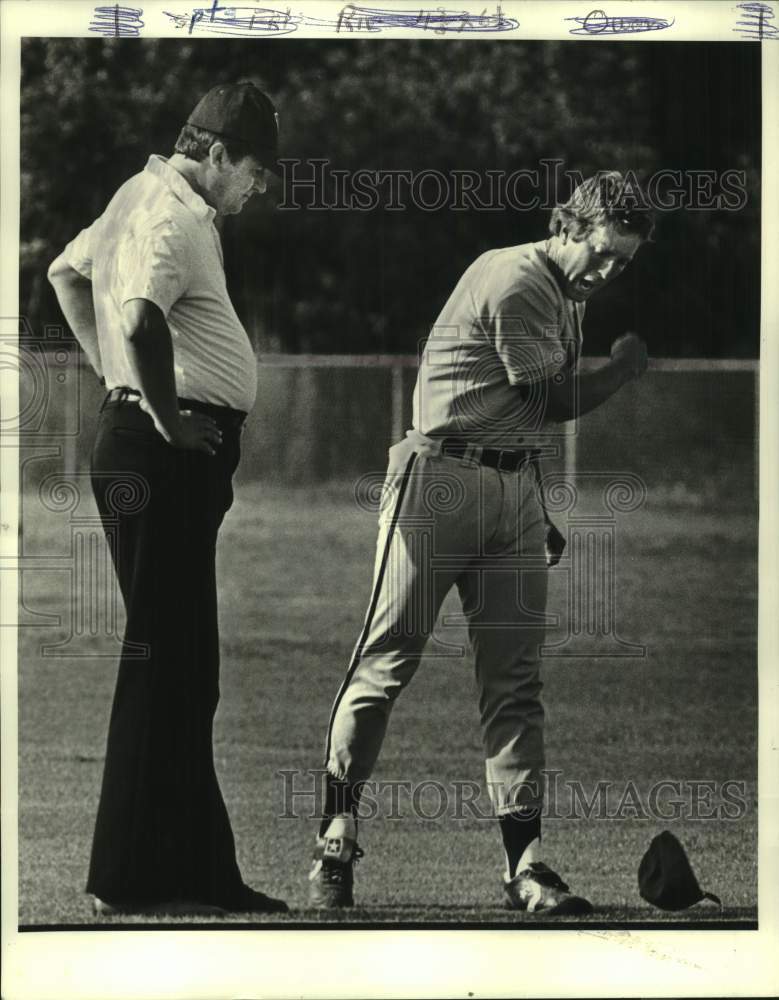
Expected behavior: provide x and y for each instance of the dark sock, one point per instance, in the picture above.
(340, 797)
(518, 829)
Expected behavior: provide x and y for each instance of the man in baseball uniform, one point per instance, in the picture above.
(462, 506)
(143, 289)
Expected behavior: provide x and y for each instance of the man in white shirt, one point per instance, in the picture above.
(143, 289)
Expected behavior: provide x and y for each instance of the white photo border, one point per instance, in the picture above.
(413, 963)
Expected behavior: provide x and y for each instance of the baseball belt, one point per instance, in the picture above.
(495, 458)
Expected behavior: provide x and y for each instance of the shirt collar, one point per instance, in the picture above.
(159, 167)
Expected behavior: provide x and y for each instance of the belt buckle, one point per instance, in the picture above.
(513, 455)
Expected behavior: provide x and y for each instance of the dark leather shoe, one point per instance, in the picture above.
(171, 908)
(258, 902)
(249, 901)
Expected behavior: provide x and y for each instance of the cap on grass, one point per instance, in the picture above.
(666, 878)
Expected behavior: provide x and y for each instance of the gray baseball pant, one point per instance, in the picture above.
(448, 521)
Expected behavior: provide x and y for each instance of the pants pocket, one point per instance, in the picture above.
(395, 481)
(140, 434)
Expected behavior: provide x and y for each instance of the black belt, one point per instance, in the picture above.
(225, 416)
(120, 394)
(495, 458)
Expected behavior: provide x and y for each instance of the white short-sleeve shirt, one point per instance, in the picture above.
(156, 240)
(505, 329)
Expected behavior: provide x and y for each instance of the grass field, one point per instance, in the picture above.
(295, 571)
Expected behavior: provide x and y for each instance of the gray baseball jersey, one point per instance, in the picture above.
(504, 329)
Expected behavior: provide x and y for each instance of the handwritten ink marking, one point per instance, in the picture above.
(249, 21)
(756, 25)
(351, 19)
(354, 18)
(265, 21)
(117, 22)
(598, 22)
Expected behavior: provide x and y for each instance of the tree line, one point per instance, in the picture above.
(427, 116)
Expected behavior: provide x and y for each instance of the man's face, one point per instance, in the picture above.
(589, 264)
(236, 182)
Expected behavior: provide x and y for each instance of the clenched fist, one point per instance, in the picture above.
(629, 352)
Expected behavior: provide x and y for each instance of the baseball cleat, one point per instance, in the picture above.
(331, 879)
(537, 889)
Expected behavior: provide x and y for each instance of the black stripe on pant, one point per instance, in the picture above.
(378, 583)
(162, 829)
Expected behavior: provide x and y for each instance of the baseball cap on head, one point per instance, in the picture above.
(241, 112)
(666, 878)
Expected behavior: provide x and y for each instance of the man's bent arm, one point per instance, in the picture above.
(74, 294)
(569, 395)
(150, 353)
(578, 393)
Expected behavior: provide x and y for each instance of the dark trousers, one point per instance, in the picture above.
(162, 828)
